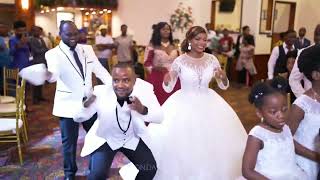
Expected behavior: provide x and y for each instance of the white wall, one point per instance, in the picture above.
(140, 15)
(251, 17)
(281, 19)
(308, 16)
(229, 20)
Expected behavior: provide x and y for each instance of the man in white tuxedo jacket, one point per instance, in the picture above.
(71, 65)
(120, 126)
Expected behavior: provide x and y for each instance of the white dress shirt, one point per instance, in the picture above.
(104, 40)
(273, 58)
(106, 128)
(124, 47)
(126, 139)
(296, 76)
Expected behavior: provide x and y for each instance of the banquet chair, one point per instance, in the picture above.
(9, 109)
(12, 129)
(10, 83)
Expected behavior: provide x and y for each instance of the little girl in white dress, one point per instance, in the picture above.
(304, 119)
(270, 152)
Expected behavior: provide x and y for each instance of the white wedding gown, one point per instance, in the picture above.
(201, 137)
(307, 133)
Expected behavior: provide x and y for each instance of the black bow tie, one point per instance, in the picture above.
(122, 100)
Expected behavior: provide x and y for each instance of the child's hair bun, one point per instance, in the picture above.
(279, 83)
(262, 89)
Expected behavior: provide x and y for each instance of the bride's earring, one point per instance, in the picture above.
(261, 119)
(189, 46)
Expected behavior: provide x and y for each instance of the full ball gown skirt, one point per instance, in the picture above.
(201, 137)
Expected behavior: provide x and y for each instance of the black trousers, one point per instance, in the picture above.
(142, 158)
(242, 76)
(37, 93)
(228, 68)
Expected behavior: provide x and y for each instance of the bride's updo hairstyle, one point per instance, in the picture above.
(263, 89)
(191, 33)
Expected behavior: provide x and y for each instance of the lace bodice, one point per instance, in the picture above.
(194, 73)
(308, 130)
(277, 158)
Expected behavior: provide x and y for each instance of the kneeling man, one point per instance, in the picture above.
(122, 112)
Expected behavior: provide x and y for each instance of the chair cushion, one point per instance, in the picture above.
(9, 124)
(7, 99)
(9, 108)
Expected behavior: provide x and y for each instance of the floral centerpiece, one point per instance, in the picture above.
(182, 18)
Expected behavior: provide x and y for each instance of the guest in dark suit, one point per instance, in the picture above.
(301, 41)
(38, 49)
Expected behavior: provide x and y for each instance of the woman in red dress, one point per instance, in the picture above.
(159, 56)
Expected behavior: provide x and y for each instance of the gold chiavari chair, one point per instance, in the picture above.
(9, 109)
(10, 83)
(12, 129)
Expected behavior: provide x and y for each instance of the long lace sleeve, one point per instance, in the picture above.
(216, 66)
(174, 73)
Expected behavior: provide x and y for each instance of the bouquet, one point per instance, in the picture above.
(181, 19)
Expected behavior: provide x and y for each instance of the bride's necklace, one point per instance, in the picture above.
(199, 70)
(165, 44)
(315, 95)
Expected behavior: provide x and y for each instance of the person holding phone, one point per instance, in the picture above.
(18, 46)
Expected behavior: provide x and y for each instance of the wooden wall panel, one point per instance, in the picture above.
(26, 15)
(261, 63)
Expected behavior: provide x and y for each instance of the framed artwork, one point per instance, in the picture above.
(93, 21)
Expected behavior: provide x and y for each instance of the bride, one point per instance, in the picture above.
(201, 136)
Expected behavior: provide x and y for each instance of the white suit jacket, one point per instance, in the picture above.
(105, 104)
(71, 86)
(296, 76)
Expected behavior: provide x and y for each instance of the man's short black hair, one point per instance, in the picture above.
(124, 65)
(64, 22)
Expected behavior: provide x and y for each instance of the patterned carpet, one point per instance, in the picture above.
(42, 154)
